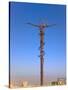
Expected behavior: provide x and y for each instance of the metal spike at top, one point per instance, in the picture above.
(41, 25)
(50, 25)
(33, 24)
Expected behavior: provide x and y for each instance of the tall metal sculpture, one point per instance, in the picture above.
(41, 29)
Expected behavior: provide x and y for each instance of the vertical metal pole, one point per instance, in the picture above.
(41, 55)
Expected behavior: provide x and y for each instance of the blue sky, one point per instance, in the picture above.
(24, 41)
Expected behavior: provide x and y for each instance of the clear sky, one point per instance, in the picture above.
(24, 41)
